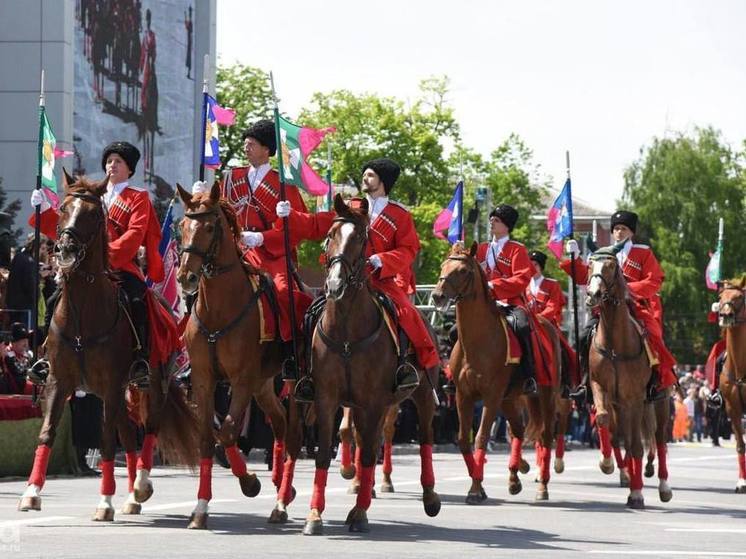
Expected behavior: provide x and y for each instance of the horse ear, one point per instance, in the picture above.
(100, 188)
(339, 205)
(473, 249)
(215, 191)
(67, 180)
(185, 196)
(617, 248)
(364, 206)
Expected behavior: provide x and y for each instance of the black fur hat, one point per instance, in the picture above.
(387, 170)
(507, 214)
(126, 151)
(263, 131)
(623, 217)
(538, 256)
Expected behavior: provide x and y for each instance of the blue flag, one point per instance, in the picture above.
(559, 219)
(452, 217)
(211, 157)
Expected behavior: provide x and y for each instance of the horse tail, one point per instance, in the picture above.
(177, 425)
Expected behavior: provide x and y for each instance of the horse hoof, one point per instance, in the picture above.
(515, 488)
(649, 470)
(250, 485)
(142, 495)
(387, 487)
(103, 515)
(637, 503)
(278, 517)
(524, 467)
(313, 528)
(665, 496)
(559, 465)
(432, 505)
(353, 489)
(607, 468)
(29, 503)
(542, 495)
(476, 498)
(359, 525)
(198, 521)
(131, 508)
(740, 489)
(623, 479)
(347, 473)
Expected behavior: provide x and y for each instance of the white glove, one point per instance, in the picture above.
(199, 187)
(283, 209)
(252, 239)
(38, 199)
(715, 307)
(572, 248)
(375, 261)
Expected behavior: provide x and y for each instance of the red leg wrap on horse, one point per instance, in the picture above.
(318, 500)
(238, 466)
(604, 440)
(620, 462)
(108, 485)
(559, 452)
(346, 458)
(387, 467)
(131, 470)
(742, 466)
(635, 469)
(515, 454)
(479, 461)
(469, 459)
(546, 460)
(205, 479)
(41, 461)
(367, 478)
(278, 457)
(146, 454)
(286, 488)
(358, 463)
(662, 461)
(427, 476)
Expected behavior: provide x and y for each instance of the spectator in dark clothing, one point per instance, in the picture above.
(20, 293)
(15, 361)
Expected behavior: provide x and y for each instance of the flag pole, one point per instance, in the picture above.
(37, 215)
(576, 329)
(286, 232)
(205, 89)
(461, 201)
(721, 238)
(329, 175)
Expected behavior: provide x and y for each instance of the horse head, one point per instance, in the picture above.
(731, 303)
(345, 247)
(82, 221)
(457, 277)
(202, 230)
(605, 280)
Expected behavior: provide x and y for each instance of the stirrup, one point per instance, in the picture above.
(39, 372)
(715, 400)
(653, 394)
(449, 387)
(530, 386)
(565, 392)
(139, 373)
(305, 391)
(579, 395)
(406, 378)
(289, 369)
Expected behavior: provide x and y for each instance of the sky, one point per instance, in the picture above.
(598, 78)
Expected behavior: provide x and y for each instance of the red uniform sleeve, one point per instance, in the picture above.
(581, 270)
(274, 241)
(553, 309)
(399, 260)
(124, 249)
(307, 226)
(521, 271)
(651, 278)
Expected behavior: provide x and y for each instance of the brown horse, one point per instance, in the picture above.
(479, 363)
(90, 345)
(353, 363)
(732, 318)
(619, 373)
(223, 339)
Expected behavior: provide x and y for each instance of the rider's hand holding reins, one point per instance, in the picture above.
(375, 261)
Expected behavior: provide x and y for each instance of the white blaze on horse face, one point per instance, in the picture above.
(594, 287)
(334, 279)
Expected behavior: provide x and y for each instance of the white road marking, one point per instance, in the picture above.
(669, 553)
(34, 520)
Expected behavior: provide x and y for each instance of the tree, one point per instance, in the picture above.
(680, 187)
(11, 209)
(247, 91)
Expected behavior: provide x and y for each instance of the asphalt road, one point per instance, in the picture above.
(585, 515)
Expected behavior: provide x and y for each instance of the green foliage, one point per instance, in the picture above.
(680, 187)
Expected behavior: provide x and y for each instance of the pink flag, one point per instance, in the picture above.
(224, 116)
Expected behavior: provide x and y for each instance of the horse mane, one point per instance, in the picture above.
(735, 283)
(84, 185)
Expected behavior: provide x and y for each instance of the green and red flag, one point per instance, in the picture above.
(297, 143)
(47, 153)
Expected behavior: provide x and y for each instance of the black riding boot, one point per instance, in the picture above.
(652, 392)
(406, 377)
(289, 363)
(39, 371)
(139, 372)
(583, 393)
(715, 399)
(518, 321)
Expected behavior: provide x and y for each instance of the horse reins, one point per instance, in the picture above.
(209, 267)
(462, 292)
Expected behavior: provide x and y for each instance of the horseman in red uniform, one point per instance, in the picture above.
(644, 278)
(131, 223)
(254, 193)
(392, 247)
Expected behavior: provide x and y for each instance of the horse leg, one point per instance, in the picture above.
(389, 426)
(477, 494)
(127, 438)
(228, 436)
(465, 410)
(562, 421)
(325, 412)
(346, 467)
(622, 461)
(602, 423)
(113, 404)
(634, 451)
(204, 397)
(662, 417)
(368, 424)
(143, 486)
(734, 413)
(425, 403)
(56, 397)
(517, 429)
(541, 411)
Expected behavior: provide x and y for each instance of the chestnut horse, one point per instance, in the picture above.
(479, 363)
(89, 345)
(353, 362)
(732, 318)
(223, 340)
(619, 373)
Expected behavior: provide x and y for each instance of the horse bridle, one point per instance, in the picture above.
(606, 296)
(737, 309)
(354, 274)
(209, 268)
(70, 231)
(465, 289)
